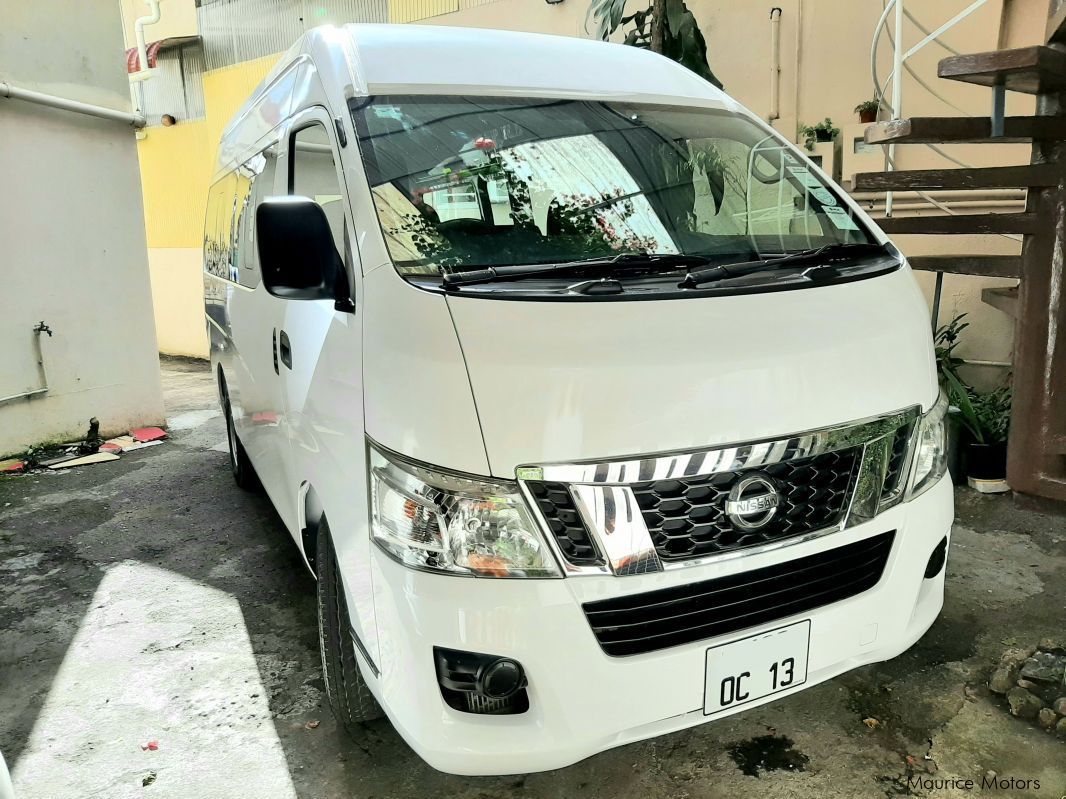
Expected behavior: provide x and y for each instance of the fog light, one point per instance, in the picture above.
(937, 559)
(476, 683)
(500, 679)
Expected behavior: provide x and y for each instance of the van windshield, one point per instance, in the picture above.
(462, 182)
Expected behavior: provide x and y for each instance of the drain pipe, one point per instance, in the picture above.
(50, 100)
(775, 63)
(36, 392)
(143, 73)
(138, 31)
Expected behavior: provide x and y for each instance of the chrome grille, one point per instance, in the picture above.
(639, 515)
(561, 514)
(897, 460)
(686, 518)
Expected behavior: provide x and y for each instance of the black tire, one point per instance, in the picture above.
(349, 696)
(239, 462)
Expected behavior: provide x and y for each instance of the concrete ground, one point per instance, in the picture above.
(149, 601)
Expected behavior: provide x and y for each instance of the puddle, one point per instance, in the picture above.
(768, 753)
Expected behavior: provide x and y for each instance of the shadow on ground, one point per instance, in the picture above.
(151, 600)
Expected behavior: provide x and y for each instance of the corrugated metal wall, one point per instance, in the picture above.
(240, 30)
(411, 10)
(178, 86)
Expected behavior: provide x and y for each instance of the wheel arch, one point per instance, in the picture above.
(221, 384)
(311, 515)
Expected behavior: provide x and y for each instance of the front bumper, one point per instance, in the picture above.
(581, 700)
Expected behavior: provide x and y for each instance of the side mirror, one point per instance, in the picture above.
(297, 256)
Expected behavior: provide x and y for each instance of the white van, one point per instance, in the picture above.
(597, 409)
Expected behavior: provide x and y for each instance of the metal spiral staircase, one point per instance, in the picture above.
(1037, 450)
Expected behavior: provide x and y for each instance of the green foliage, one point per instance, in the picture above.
(823, 131)
(867, 106)
(945, 341)
(985, 416)
(683, 40)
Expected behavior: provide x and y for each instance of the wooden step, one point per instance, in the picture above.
(962, 224)
(956, 130)
(976, 265)
(1005, 299)
(997, 177)
(1031, 70)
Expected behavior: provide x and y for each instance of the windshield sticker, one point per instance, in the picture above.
(841, 218)
(823, 196)
(804, 176)
(813, 185)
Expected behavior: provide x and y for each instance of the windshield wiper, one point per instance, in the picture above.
(714, 274)
(629, 260)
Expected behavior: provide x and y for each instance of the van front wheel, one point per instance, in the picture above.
(349, 696)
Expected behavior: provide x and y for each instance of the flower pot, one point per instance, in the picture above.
(986, 467)
(823, 135)
(867, 117)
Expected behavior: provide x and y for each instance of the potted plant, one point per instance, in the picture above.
(985, 417)
(822, 132)
(867, 111)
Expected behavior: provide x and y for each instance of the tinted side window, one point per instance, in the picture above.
(254, 182)
(314, 175)
(218, 226)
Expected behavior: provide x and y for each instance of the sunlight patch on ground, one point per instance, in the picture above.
(191, 419)
(120, 687)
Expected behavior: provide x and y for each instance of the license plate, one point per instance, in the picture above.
(759, 665)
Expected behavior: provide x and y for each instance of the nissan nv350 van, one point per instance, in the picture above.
(597, 409)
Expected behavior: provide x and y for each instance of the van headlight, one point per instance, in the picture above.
(931, 448)
(441, 521)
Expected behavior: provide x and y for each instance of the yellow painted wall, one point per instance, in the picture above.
(177, 162)
(176, 167)
(178, 298)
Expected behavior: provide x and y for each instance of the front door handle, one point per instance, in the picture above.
(274, 347)
(284, 350)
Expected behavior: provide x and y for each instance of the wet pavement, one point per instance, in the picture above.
(150, 600)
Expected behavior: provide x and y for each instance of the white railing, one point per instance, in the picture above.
(899, 64)
(895, 80)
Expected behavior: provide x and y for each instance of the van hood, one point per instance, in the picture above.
(570, 381)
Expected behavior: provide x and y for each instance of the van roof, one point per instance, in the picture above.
(359, 60)
(406, 59)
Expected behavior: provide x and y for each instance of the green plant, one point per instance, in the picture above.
(823, 131)
(867, 107)
(667, 27)
(985, 416)
(945, 341)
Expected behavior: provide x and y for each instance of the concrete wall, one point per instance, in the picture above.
(73, 252)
